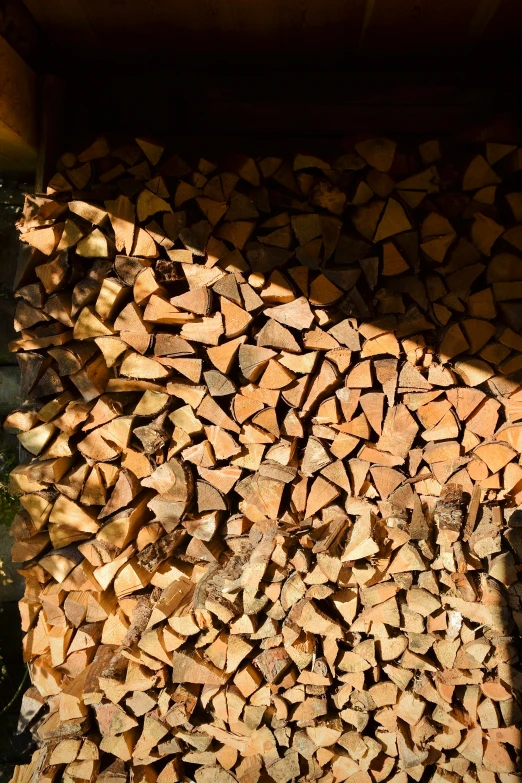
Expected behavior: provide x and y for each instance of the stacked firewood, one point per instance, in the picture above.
(273, 411)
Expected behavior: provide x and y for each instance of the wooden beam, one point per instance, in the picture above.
(20, 30)
(368, 13)
(66, 23)
(51, 129)
(484, 13)
(18, 112)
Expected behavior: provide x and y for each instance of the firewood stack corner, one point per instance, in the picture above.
(269, 521)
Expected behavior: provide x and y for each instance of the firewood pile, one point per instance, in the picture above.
(273, 412)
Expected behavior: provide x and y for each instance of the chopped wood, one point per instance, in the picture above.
(269, 519)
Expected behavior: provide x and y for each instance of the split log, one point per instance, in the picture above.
(269, 525)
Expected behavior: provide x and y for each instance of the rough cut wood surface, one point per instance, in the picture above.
(269, 524)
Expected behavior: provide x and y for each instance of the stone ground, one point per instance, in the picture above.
(14, 749)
